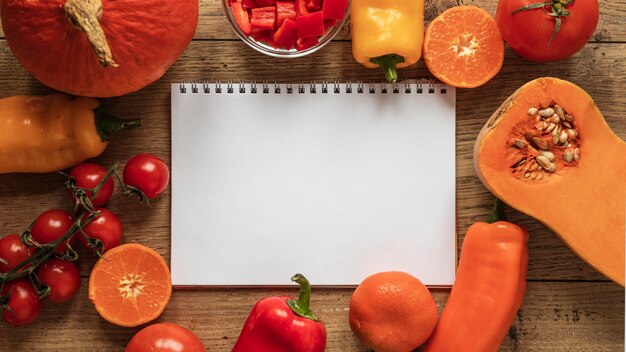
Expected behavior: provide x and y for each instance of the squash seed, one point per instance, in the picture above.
(533, 167)
(542, 144)
(547, 112)
(550, 127)
(548, 155)
(576, 154)
(569, 118)
(571, 133)
(567, 124)
(559, 111)
(527, 175)
(568, 156)
(532, 111)
(551, 168)
(555, 136)
(563, 137)
(543, 161)
(520, 143)
(541, 125)
(555, 118)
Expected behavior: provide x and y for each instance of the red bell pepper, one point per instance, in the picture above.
(334, 9)
(249, 4)
(282, 324)
(263, 18)
(286, 36)
(311, 25)
(305, 43)
(301, 7)
(314, 5)
(265, 3)
(285, 10)
(241, 17)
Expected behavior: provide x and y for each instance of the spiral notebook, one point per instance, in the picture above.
(336, 181)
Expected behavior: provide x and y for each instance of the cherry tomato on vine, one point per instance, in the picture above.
(13, 252)
(106, 227)
(52, 225)
(165, 337)
(88, 175)
(147, 173)
(24, 305)
(547, 31)
(62, 277)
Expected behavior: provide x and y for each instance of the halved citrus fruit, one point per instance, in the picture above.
(463, 47)
(130, 285)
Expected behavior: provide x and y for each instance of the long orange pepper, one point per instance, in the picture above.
(488, 290)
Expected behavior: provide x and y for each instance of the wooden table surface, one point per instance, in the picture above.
(568, 306)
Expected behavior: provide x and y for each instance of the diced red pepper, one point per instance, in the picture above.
(249, 4)
(263, 18)
(285, 10)
(286, 36)
(311, 25)
(305, 43)
(265, 3)
(241, 17)
(301, 7)
(314, 5)
(334, 9)
(264, 37)
(329, 23)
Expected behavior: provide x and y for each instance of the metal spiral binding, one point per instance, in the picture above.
(406, 87)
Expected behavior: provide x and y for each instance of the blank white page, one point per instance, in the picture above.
(336, 186)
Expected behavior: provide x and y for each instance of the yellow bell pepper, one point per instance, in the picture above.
(53, 132)
(387, 33)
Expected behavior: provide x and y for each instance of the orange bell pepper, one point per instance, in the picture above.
(488, 290)
(53, 132)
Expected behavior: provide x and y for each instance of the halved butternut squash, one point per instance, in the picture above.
(549, 153)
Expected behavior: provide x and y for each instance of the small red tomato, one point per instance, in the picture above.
(13, 252)
(52, 225)
(24, 305)
(89, 175)
(147, 173)
(165, 337)
(106, 227)
(62, 277)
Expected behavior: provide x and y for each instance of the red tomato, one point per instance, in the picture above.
(24, 304)
(147, 173)
(62, 277)
(50, 226)
(165, 337)
(528, 32)
(13, 252)
(106, 227)
(88, 175)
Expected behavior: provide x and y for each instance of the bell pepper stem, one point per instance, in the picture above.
(388, 64)
(301, 306)
(497, 214)
(107, 124)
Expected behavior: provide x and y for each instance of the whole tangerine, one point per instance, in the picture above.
(392, 312)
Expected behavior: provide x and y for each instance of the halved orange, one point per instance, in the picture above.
(463, 47)
(130, 285)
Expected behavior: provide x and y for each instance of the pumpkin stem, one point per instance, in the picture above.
(497, 214)
(85, 15)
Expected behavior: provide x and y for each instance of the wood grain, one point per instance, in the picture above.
(554, 317)
(568, 306)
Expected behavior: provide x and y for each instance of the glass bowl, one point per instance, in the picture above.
(266, 49)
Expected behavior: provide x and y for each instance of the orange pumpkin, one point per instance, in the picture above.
(98, 48)
(548, 152)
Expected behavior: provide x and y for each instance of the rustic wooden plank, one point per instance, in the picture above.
(24, 196)
(554, 316)
(212, 23)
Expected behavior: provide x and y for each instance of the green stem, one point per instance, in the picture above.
(107, 124)
(388, 64)
(558, 9)
(497, 214)
(301, 306)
